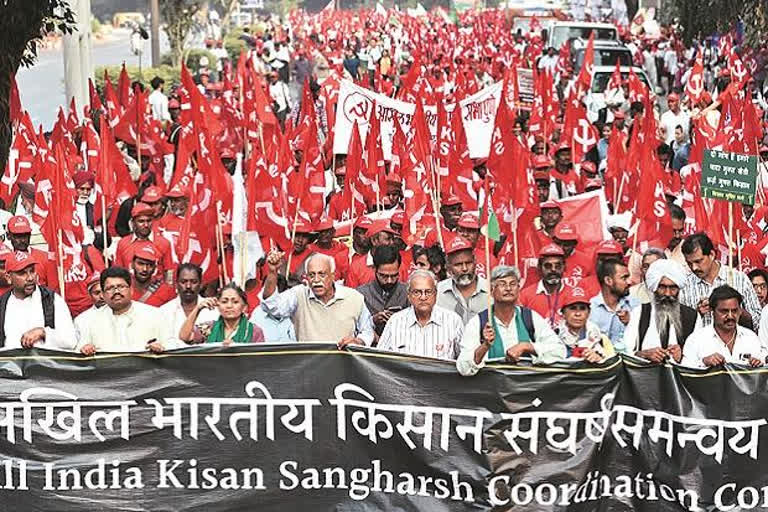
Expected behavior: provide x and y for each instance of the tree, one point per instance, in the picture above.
(229, 8)
(179, 16)
(23, 25)
(701, 18)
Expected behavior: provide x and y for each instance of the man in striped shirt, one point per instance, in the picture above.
(708, 274)
(423, 329)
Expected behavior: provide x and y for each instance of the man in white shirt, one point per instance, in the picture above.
(94, 290)
(423, 329)
(724, 341)
(159, 101)
(657, 331)
(32, 315)
(673, 117)
(508, 335)
(189, 281)
(126, 325)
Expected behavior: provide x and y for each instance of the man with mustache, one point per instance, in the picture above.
(125, 325)
(610, 308)
(146, 288)
(724, 340)
(658, 330)
(97, 299)
(544, 296)
(386, 294)
(463, 293)
(321, 309)
(511, 333)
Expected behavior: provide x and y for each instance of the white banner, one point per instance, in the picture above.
(355, 104)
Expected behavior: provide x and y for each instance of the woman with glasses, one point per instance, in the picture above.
(231, 327)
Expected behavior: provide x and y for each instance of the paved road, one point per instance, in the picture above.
(42, 86)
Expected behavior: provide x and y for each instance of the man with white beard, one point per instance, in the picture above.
(658, 330)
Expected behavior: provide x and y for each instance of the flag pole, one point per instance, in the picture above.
(730, 243)
(220, 236)
(60, 264)
(104, 227)
(352, 217)
(293, 237)
(738, 248)
(488, 260)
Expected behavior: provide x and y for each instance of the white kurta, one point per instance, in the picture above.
(129, 332)
(22, 315)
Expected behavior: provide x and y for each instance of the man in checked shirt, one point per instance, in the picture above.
(708, 274)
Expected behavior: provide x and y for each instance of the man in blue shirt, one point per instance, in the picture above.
(610, 308)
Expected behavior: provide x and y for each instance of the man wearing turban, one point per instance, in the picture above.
(657, 331)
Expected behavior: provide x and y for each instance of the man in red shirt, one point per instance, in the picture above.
(325, 244)
(565, 182)
(545, 296)
(406, 257)
(578, 264)
(542, 165)
(339, 207)
(178, 202)
(19, 234)
(450, 211)
(361, 272)
(141, 222)
(5, 282)
(469, 228)
(551, 215)
(154, 292)
(361, 245)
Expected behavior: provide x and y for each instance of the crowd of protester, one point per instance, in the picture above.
(450, 294)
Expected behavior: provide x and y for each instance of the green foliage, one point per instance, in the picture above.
(233, 45)
(25, 23)
(192, 59)
(700, 18)
(179, 16)
(170, 74)
(95, 25)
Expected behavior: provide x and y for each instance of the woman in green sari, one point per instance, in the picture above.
(231, 327)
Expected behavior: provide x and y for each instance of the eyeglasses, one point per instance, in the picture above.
(116, 288)
(760, 286)
(507, 285)
(423, 293)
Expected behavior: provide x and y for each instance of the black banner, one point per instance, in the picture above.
(307, 427)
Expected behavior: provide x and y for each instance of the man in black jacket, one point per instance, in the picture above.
(657, 331)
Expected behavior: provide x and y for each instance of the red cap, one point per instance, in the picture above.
(380, 226)
(541, 161)
(18, 261)
(589, 166)
(549, 204)
(173, 103)
(459, 243)
(593, 183)
(95, 278)
(363, 223)
(340, 171)
(18, 224)
(325, 222)
(469, 220)
(303, 227)
(152, 195)
(178, 190)
(566, 231)
(609, 247)
(450, 200)
(551, 250)
(141, 209)
(572, 296)
(146, 251)
(398, 218)
(563, 146)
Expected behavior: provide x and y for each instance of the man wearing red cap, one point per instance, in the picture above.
(31, 314)
(551, 215)
(462, 293)
(97, 300)
(361, 244)
(141, 222)
(153, 197)
(469, 228)
(544, 297)
(325, 244)
(542, 166)
(564, 180)
(450, 210)
(146, 289)
(361, 271)
(19, 234)
(338, 205)
(5, 283)
(172, 221)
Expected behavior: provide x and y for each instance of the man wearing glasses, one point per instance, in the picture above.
(125, 325)
(423, 329)
(385, 295)
(511, 333)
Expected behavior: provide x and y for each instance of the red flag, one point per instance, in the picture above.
(579, 131)
(114, 107)
(123, 87)
(615, 81)
(694, 89)
(584, 80)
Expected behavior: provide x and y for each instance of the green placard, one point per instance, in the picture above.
(729, 176)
